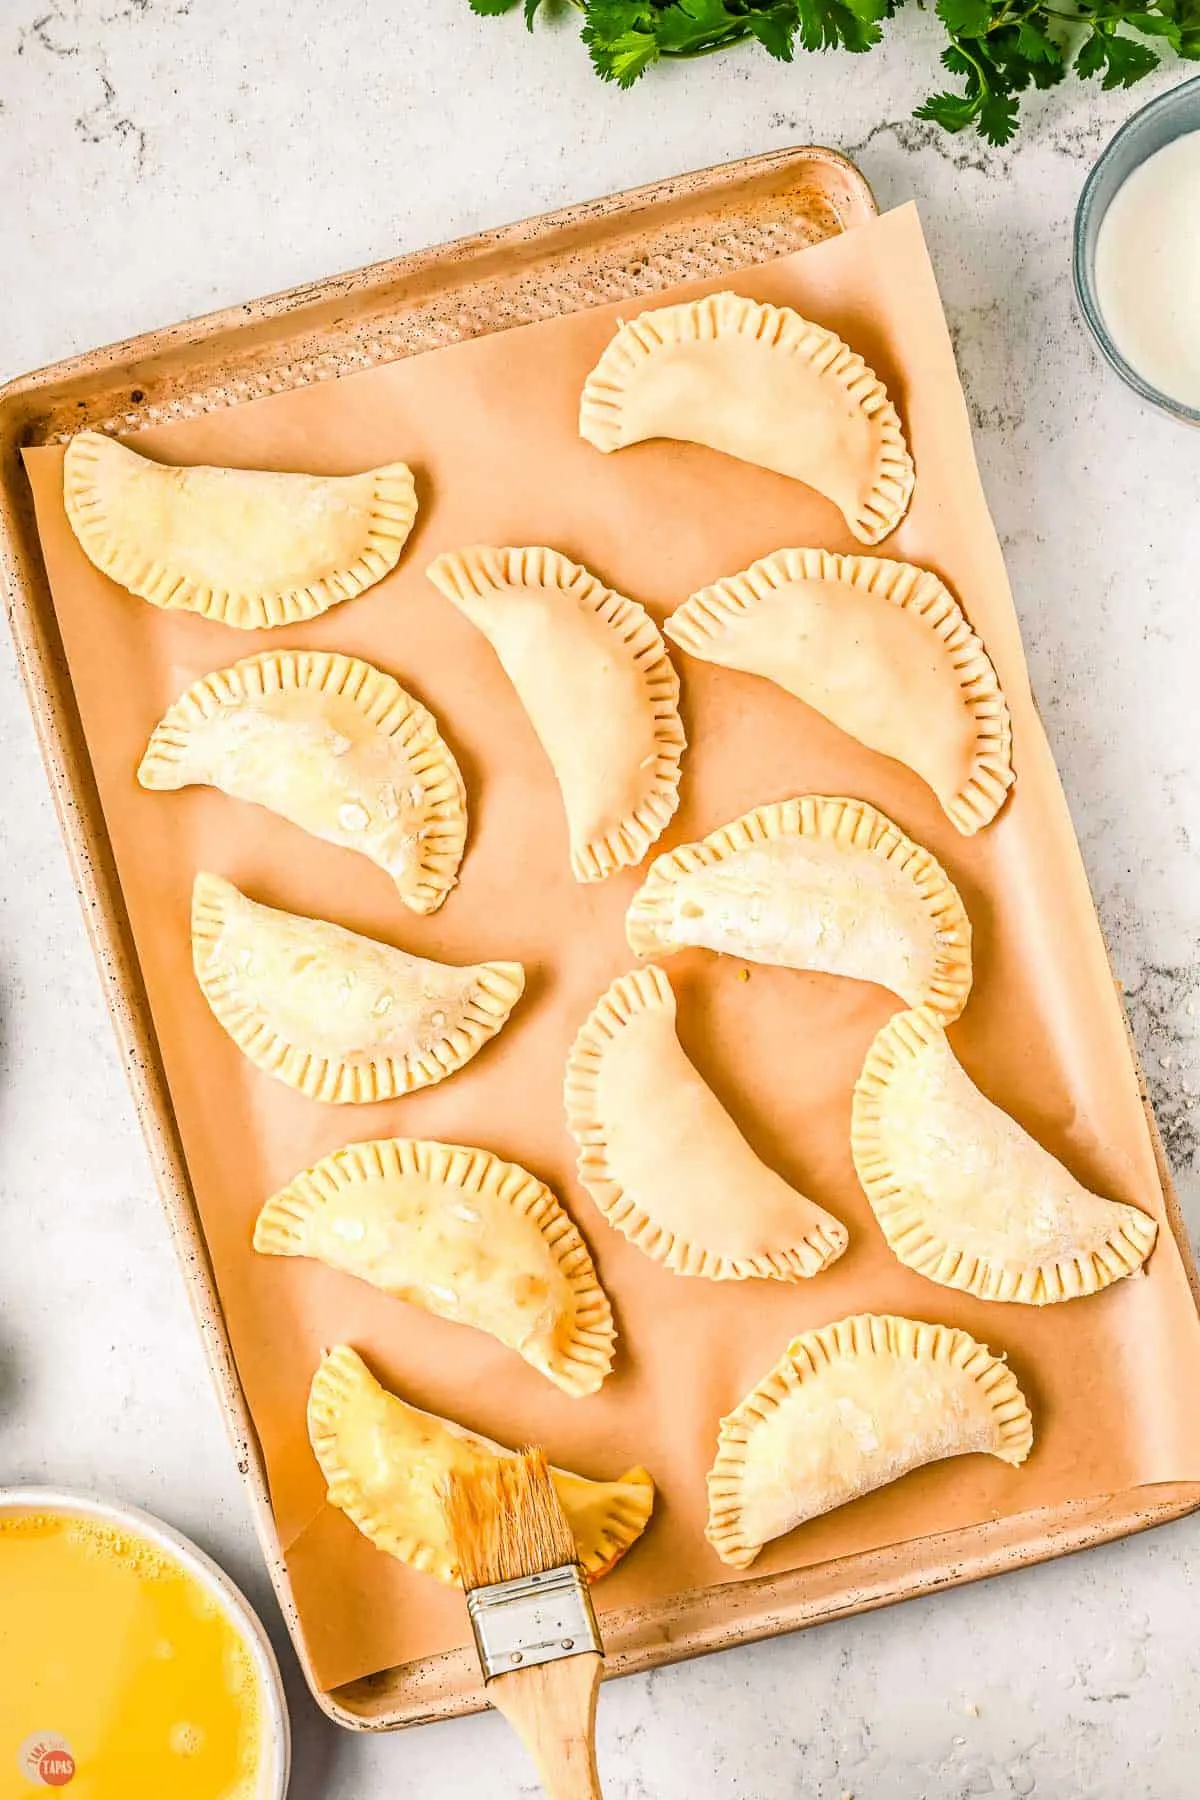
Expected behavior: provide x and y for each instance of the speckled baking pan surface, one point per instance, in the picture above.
(489, 425)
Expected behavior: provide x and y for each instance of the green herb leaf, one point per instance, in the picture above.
(998, 118)
(489, 9)
(1122, 59)
(1128, 61)
(1048, 74)
(1187, 28)
(1153, 24)
(956, 61)
(1033, 46)
(691, 25)
(608, 19)
(1090, 60)
(965, 18)
(776, 31)
(852, 24)
(953, 112)
(624, 57)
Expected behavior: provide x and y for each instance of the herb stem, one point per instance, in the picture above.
(725, 42)
(978, 67)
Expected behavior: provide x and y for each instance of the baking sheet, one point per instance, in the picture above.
(490, 429)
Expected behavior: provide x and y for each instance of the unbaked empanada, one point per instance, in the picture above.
(338, 1016)
(968, 1198)
(332, 745)
(880, 648)
(594, 676)
(764, 385)
(246, 546)
(462, 1234)
(813, 883)
(386, 1464)
(664, 1161)
(848, 1409)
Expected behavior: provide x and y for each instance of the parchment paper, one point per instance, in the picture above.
(490, 428)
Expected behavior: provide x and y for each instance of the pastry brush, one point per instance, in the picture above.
(532, 1616)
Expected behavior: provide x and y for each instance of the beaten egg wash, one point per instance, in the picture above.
(122, 1677)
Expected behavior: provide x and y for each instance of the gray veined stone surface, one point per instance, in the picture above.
(161, 157)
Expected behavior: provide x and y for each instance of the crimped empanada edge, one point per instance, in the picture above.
(480, 568)
(697, 321)
(387, 525)
(625, 1504)
(903, 1039)
(339, 1377)
(331, 1079)
(806, 1356)
(388, 707)
(629, 1504)
(834, 818)
(645, 990)
(701, 618)
(579, 1364)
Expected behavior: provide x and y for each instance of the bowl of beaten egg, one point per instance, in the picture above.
(131, 1668)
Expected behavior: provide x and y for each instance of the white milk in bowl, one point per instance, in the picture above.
(1147, 269)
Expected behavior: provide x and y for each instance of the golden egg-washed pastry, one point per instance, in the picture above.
(664, 1161)
(813, 883)
(386, 1463)
(847, 1409)
(337, 1016)
(964, 1195)
(462, 1234)
(762, 384)
(594, 676)
(333, 745)
(880, 648)
(245, 546)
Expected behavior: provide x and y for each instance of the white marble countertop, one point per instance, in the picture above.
(162, 157)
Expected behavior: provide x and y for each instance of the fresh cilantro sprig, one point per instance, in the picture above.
(999, 48)
(996, 49)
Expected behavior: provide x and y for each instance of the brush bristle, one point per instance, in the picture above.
(506, 1520)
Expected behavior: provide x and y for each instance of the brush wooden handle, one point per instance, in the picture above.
(552, 1709)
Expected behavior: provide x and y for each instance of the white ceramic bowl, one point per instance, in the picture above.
(277, 1743)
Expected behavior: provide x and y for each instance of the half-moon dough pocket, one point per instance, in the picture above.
(459, 1232)
(762, 384)
(664, 1161)
(385, 1464)
(333, 745)
(593, 674)
(847, 1409)
(249, 547)
(881, 649)
(813, 883)
(337, 1016)
(964, 1195)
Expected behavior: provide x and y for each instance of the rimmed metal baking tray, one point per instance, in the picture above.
(628, 245)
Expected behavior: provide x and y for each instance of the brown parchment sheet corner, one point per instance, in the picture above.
(490, 427)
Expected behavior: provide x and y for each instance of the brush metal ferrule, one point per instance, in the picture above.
(534, 1619)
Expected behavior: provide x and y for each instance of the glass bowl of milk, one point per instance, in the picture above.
(1137, 252)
